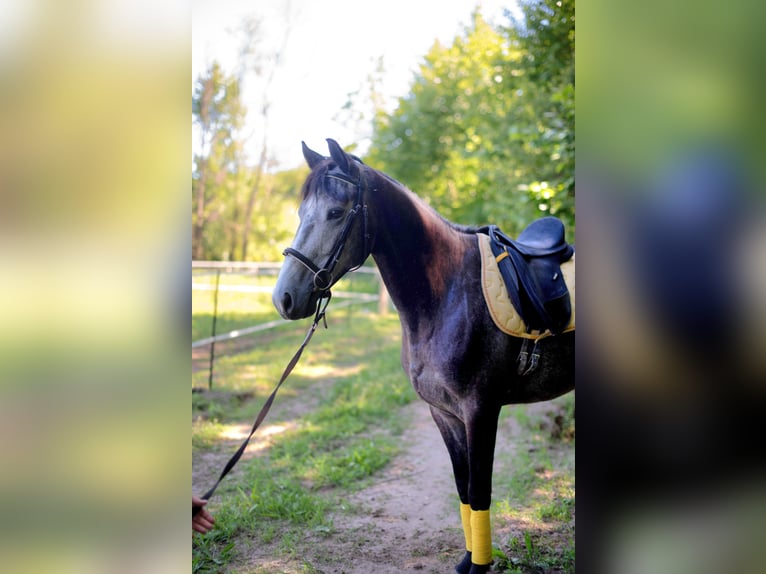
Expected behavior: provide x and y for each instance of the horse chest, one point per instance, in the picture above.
(429, 378)
(435, 393)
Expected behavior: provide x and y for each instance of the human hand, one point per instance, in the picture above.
(203, 521)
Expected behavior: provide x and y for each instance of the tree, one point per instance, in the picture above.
(237, 201)
(276, 219)
(546, 75)
(263, 65)
(486, 133)
(437, 139)
(217, 176)
(365, 105)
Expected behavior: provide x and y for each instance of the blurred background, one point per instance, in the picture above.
(94, 298)
(672, 317)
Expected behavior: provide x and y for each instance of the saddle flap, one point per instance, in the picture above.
(545, 287)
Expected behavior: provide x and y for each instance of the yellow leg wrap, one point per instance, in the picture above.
(465, 518)
(481, 537)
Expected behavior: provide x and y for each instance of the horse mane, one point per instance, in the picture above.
(339, 192)
(467, 229)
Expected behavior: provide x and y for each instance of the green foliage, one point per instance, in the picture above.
(225, 189)
(546, 78)
(440, 138)
(217, 180)
(487, 131)
(558, 509)
(274, 216)
(527, 556)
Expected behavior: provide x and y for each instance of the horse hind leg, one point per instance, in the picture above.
(475, 524)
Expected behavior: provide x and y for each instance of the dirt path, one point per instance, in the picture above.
(408, 519)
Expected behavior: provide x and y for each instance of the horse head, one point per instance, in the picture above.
(332, 237)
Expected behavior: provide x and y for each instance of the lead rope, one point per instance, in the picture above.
(319, 316)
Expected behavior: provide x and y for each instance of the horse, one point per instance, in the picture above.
(458, 361)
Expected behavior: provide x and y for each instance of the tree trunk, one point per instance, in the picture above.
(198, 248)
(248, 221)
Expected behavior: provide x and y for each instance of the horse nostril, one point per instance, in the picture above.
(287, 302)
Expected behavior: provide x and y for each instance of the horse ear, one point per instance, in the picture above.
(340, 157)
(312, 157)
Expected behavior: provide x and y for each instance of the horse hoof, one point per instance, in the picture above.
(465, 565)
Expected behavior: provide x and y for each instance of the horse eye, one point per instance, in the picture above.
(334, 214)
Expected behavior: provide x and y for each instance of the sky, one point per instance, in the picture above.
(332, 47)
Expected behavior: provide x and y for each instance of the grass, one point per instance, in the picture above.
(530, 553)
(348, 435)
(534, 493)
(237, 310)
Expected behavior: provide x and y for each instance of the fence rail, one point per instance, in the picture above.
(270, 268)
(256, 266)
(236, 265)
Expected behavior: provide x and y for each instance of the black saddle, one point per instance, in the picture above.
(531, 269)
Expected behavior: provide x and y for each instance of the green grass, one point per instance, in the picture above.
(534, 492)
(206, 433)
(235, 310)
(240, 310)
(333, 448)
(559, 509)
(530, 554)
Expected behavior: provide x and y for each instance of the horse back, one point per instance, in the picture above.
(455, 353)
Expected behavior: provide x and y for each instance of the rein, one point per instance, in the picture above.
(323, 277)
(319, 316)
(322, 281)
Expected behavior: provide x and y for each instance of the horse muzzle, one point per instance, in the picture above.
(295, 303)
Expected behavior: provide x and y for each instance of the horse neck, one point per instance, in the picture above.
(418, 252)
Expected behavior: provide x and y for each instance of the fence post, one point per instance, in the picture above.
(215, 317)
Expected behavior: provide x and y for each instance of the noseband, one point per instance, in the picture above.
(323, 277)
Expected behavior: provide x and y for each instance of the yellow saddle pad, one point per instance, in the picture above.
(499, 304)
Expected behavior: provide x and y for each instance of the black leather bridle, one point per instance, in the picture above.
(323, 277)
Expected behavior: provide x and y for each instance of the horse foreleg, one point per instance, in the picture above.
(471, 452)
(481, 432)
